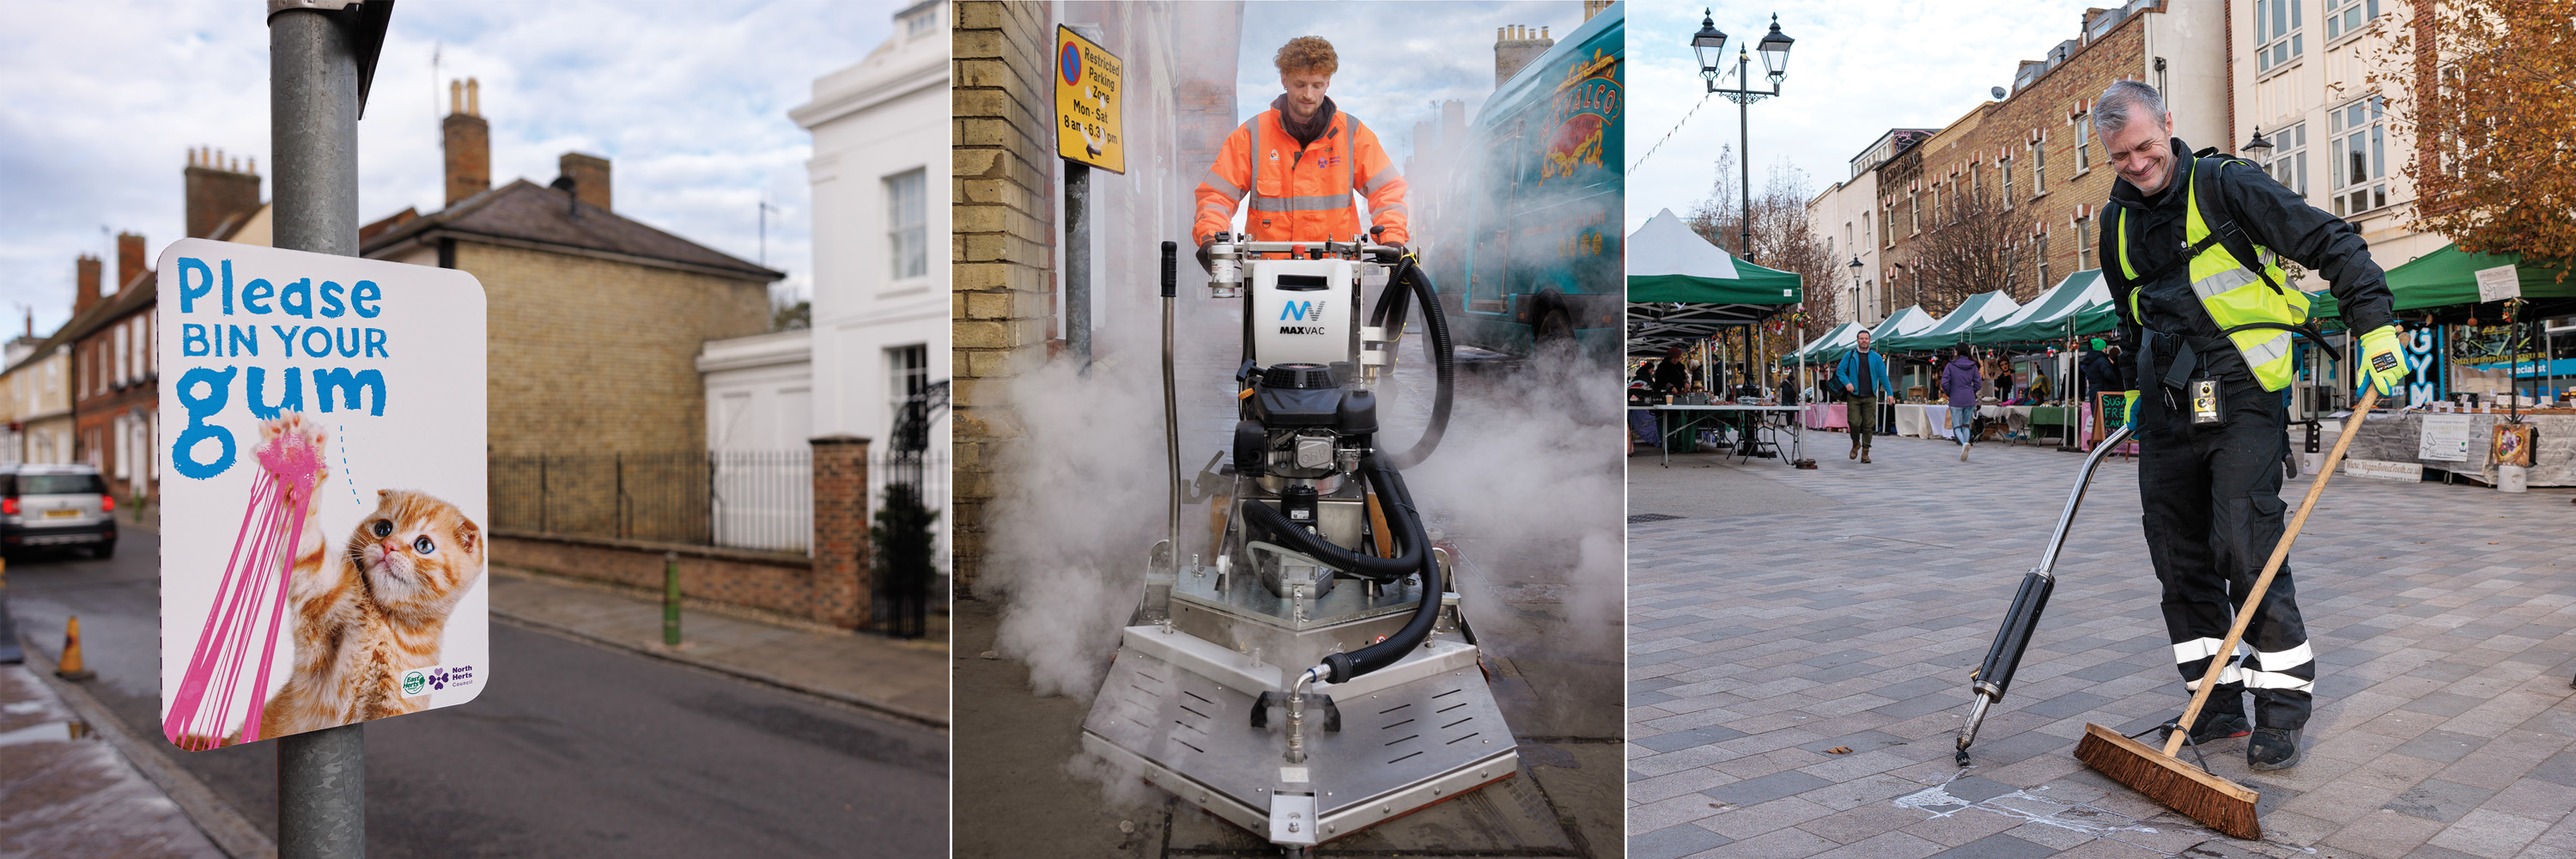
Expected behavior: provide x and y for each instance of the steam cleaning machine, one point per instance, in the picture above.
(1315, 678)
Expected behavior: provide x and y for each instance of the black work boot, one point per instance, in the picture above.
(2212, 727)
(2272, 749)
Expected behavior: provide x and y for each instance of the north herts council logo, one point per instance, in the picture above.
(1069, 63)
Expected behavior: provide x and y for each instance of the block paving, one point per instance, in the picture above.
(1762, 644)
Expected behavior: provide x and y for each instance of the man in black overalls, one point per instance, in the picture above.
(2211, 426)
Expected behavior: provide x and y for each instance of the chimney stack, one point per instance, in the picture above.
(589, 175)
(216, 194)
(1518, 45)
(129, 259)
(469, 142)
(85, 294)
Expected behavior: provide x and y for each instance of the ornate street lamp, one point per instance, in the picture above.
(1710, 44)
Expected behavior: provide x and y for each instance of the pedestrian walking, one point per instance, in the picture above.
(1960, 381)
(2210, 320)
(1863, 372)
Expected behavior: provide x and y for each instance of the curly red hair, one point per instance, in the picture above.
(1307, 54)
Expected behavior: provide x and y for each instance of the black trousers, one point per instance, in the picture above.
(2213, 514)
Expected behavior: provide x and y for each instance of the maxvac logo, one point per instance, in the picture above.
(1302, 311)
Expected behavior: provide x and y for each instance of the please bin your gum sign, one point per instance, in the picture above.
(324, 515)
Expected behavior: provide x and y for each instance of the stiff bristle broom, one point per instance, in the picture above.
(2197, 793)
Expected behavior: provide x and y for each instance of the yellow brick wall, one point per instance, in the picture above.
(594, 356)
(1003, 241)
(1004, 238)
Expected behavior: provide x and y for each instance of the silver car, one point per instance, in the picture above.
(56, 505)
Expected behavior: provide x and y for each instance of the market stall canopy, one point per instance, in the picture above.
(1681, 288)
(1842, 337)
(1910, 320)
(1980, 308)
(2450, 276)
(2083, 299)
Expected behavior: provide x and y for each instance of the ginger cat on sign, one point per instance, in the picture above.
(376, 609)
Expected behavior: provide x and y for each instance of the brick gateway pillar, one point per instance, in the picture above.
(843, 579)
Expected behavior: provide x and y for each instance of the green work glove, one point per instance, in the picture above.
(2383, 362)
(2131, 418)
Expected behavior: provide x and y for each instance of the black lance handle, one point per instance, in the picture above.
(1171, 261)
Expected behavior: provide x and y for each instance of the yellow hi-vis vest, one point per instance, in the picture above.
(2248, 302)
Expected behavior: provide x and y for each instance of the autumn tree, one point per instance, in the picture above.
(1970, 244)
(1781, 237)
(2487, 88)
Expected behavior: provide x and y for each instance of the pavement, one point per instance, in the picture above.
(69, 792)
(751, 738)
(1797, 676)
(907, 679)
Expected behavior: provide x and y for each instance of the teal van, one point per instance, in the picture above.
(1528, 248)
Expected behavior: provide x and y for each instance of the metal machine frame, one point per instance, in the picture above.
(1215, 649)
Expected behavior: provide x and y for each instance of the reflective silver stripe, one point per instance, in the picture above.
(1301, 204)
(1213, 180)
(1350, 149)
(2195, 650)
(2266, 351)
(1394, 208)
(2229, 674)
(2270, 349)
(2276, 680)
(2217, 284)
(1379, 180)
(2286, 659)
(1227, 209)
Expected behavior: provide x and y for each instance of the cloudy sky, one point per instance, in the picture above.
(100, 101)
(1859, 68)
(1397, 59)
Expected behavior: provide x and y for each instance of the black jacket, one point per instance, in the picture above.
(2270, 215)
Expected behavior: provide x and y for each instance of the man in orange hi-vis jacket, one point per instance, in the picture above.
(1297, 163)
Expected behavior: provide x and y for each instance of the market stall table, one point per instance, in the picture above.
(2399, 439)
(1692, 415)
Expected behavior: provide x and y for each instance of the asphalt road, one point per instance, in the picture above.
(573, 750)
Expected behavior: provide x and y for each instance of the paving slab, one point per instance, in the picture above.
(1851, 611)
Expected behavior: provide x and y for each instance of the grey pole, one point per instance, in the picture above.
(1077, 261)
(313, 143)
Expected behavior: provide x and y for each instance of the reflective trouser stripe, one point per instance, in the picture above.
(2286, 659)
(2195, 650)
(1302, 204)
(2227, 675)
(2275, 680)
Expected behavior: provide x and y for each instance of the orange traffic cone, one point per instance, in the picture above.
(71, 668)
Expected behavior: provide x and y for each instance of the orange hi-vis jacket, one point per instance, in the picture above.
(1301, 194)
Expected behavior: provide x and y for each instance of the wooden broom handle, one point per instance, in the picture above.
(2262, 583)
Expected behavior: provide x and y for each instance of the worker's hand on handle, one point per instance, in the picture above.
(2383, 362)
(2129, 418)
(1204, 263)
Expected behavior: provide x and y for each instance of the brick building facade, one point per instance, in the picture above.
(115, 387)
(595, 320)
(2031, 157)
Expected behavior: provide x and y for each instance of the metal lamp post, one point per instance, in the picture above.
(1855, 305)
(1710, 44)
